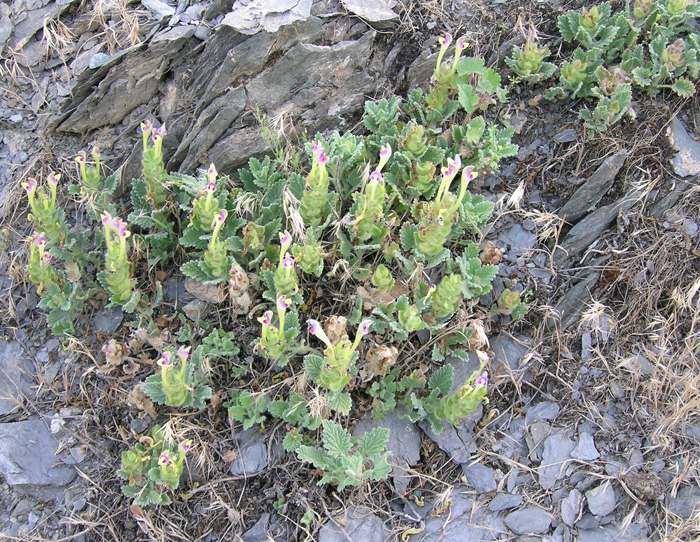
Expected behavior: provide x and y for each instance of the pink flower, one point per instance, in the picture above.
(376, 176)
(164, 458)
(40, 240)
(81, 158)
(322, 158)
(146, 127)
(482, 381)
(165, 359)
(185, 447)
(266, 318)
(106, 218)
(183, 353)
(288, 262)
(316, 147)
(385, 152)
(283, 303)
(45, 259)
(364, 326)
(285, 237)
(483, 356)
(212, 171)
(314, 326)
(446, 40)
(455, 163)
(211, 186)
(53, 178)
(462, 43)
(221, 215)
(469, 174)
(30, 186)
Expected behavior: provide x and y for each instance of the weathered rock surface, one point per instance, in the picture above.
(585, 448)
(252, 454)
(687, 160)
(601, 499)
(251, 16)
(508, 352)
(592, 191)
(530, 520)
(357, 524)
(27, 456)
(504, 501)
(480, 477)
(374, 11)
(571, 507)
(555, 459)
(15, 382)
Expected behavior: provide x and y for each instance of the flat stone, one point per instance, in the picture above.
(98, 60)
(687, 160)
(569, 307)
(358, 523)
(555, 459)
(638, 364)
(404, 444)
(480, 477)
(565, 136)
(517, 240)
(585, 448)
(15, 382)
(546, 410)
(601, 499)
(27, 456)
(251, 16)
(258, 532)
(530, 520)
(252, 454)
(508, 352)
(592, 191)
(685, 502)
(34, 21)
(466, 522)
(373, 11)
(456, 441)
(571, 507)
(109, 320)
(504, 501)
(6, 25)
(159, 8)
(609, 533)
(196, 309)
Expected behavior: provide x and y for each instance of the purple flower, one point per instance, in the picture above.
(183, 353)
(376, 176)
(81, 158)
(39, 240)
(462, 43)
(482, 381)
(364, 326)
(285, 237)
(164, 458)
(314, 326)
(283, 302)
(185, 447)
(266, 318)
(45, 259)
(455, 163)
(106, 218)
(53, 178)
(165, 359)
(288, 262)
(446, 40)
(483, 356)
(385, 152)
(211, 186)
(146, 127)
(349, 220)
(322, 158)
(30, 186)
(469, 174)
(221, 215)
(316, 147)
(212, 171)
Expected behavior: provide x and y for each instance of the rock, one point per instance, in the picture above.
(539, 431)
(601, 499)
(15, 383)
(158, 8)
(508, 352)
(109, 320)
(211, 293)
(573, 301)
(252, 454)
(196, 310)
(546, 410)
(585, 448)
(517, 239)
(34, 21)
(202, 32)
(685, 502)
(357, 523)
(608, 533)
(98, 60)
(571, 507)
(404, 444)
(6, 25)
(422, 69)
(258, 532)
(687, 160)
(457, 442)
(373, 11)
(555, 458)
(565, 136)
(530, 520)
(638, 364)
(592, 191)
(504, 501)
(480, 477)
(466, 522)
(28, 454)
(251, 16)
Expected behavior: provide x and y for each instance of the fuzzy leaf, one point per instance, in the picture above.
(683, 87)
(339, 401)
(336, 440)
(442, 379)
(373, 442)
(313, 365)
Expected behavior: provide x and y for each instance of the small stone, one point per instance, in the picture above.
(196, 309)
(202, 32)
(480, 477)
(546, 410)
(269, 15)
(211, 293)
(690, 227)
(252, 454)
(530, 520)
(504, 501)
(685, 502)
(585, 448)
(109, 320)
(518, 240)
(16, 119)
(571, 507)
(374, 11)
(99, 60)
(356, 524)
(687, 160)
(258, 532)
(508, 352)
(601, 500)
(565, 136)
(158, 8)
(555, 458)
(632, 533)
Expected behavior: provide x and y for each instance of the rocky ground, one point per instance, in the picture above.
(592, 428)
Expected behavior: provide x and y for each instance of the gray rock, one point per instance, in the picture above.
(159, 8)
(592, 191)
(504, 501)
(517, 240)
(196, 309)
(569, 307)
(202, 32)
(251, 16)
(28, 454)
(98, 60)
(358, 523)
(571, 507)
(252, 454)
(539, 431)
(6, 25)
(34, 21)
(601, 499)
(374, 11)
(565, 136)
(258, 532)
(456, 441)
(480, 477)
(555, 459)
(546, 410)
(15, 382)
(687, 160)
(530, 520)
(609, 533)
(404, 444)
(585, 448)
(685, 501)
(638, 364)
(466, 522)
(109, 320)
(508, 352)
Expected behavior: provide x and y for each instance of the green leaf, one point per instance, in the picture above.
(408, 238)
(315, 456)
(373, 442)
(153, 387)
(683, 87)
(471, 65)
(442, 379)
(339, 401)
(336, 440)
(313, 365)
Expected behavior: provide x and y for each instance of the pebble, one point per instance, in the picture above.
(202, 32)
(480, 477)
(685, 501)
(555, 458)
(504, 501)
(356, 524)
(601, 499)
(585, 448)
(571, 507)
(546, 410)
(530, 520)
